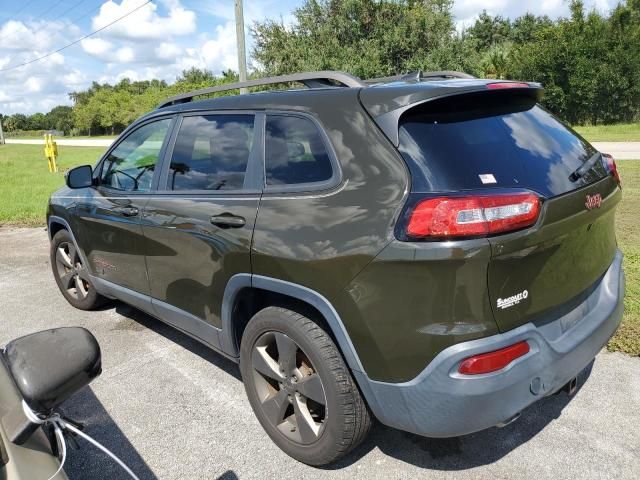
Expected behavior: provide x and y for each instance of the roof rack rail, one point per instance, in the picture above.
(322, 79)
(419, 75)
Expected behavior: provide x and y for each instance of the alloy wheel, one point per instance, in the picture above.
(71, 272)
(289, 388)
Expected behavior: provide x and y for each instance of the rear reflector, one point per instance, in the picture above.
(502, 85)
(493, 361)
(478, 215)
(612, 167)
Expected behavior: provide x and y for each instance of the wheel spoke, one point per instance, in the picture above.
(307, 428)
(311, 387)
(83, 274)
(73, 254)
(67, 280)
(275, 407)
(80, 290)
(287, 350)
(263, 363)
(63, 258)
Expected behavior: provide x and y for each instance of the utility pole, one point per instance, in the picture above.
(242, 54)
(1, 133)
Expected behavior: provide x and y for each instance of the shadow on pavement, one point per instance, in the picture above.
(458, 453)
(178, 337)
(469, 451)
(89, 462)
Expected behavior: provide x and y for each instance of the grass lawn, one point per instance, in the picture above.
(25, 185)
(56, 137)
(627, 339)
(622, 132)
(25, 181)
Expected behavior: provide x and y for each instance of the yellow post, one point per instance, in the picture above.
(51, 152)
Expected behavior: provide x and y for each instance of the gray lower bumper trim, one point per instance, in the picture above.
(440, 402)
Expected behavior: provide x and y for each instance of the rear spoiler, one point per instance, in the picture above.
(387, 104)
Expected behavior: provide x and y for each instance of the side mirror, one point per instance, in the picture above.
(47, 368)
(50, 366)
(80, 177)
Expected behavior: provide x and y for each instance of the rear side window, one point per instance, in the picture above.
(481, 143)
(294, 152)
(211, 153)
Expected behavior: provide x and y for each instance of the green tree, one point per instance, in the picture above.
(37, 121)
(525, 28)
(60, 118)
(364, 37)
(489, 31)
(589, 64)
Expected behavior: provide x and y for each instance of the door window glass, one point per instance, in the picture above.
(294, 152)
(211, 152)
(130, 166)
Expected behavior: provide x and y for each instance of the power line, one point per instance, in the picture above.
(2, 37)
(72, 7)
(42, 14)
(86, 14)
(13, 67)
(25, 5)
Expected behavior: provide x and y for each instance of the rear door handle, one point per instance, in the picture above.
(228, 220)
(127, 211)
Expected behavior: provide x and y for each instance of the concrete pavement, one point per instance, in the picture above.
(172, 409)
(620, 150)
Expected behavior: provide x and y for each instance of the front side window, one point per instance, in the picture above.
(130, 166)
(294, 152)
(211, 152)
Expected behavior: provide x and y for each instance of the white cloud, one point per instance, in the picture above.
(168, 51)
(41, 85)
(144, 23)
(220, 53)
(125, 55)
(96, 46)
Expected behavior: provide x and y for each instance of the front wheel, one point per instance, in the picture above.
(71, 274)
(300, 388)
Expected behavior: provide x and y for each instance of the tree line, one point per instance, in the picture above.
(588, 62)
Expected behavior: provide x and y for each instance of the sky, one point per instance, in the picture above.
(159, 40)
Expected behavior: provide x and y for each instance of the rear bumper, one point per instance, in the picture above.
(440, 402)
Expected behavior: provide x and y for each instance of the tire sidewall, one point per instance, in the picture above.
(273, 320)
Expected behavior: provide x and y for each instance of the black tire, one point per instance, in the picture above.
(342, 423)
(71, 274)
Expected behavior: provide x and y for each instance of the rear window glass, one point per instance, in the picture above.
(450, 147)
(294, 152)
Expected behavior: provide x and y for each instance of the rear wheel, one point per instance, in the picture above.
(300, 388)
(71, 274)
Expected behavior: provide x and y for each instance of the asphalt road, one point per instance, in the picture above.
(175, 410)
(619, 150)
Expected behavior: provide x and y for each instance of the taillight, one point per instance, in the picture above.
(493, 361)
(612, 167)
(502, 85)
(476, 215)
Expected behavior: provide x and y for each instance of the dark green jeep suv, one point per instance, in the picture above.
(434, 250)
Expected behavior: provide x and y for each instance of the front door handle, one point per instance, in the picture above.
(127, 211)
(228, 220)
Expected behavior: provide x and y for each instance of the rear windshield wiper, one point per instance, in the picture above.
(585, 167)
